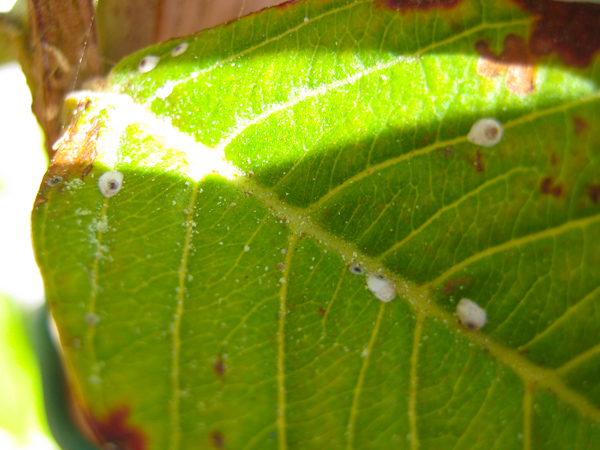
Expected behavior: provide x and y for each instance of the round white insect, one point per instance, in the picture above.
(110, 183)
(148, 63)
(381, 287)
(180, 49)
(486, 132)
(470, 314)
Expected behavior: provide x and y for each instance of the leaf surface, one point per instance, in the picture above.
(213, 302)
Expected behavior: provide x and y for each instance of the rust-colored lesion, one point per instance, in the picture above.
(571, 30)
(477, 161)
(454, 284)
(516, 61)
(419, 5)
(115, 432)
(74, 156)
(593, 190)
(580, 125)
(217, 440)
(219, 368)
(548, 186)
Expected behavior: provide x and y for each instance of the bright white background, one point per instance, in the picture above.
(22, 165)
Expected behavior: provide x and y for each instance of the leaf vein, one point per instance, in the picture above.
(350, 428)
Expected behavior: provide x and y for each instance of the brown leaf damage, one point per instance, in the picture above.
(594, 192)
(115, 432)
(74, 156)
(456, 284)
(217, 440)
(548, 186)
(219, 368)
(422, 5)
(580, 126)
(515, 61)
(569, 29)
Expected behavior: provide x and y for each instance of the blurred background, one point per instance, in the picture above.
(22, 164)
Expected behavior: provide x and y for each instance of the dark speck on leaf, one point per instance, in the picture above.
(594, 192)
(548, 187)
(356, 269)
(478, 162)
(579, 125)
(219, 367)
(217, 439)
(54, 181)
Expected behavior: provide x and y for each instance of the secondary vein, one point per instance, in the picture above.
(175, 435)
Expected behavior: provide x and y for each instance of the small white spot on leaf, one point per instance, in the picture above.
(486, 132)
(165, 90)
(381, 287)
(148, 63)
(110, 183)
(470, 314)
(180, 49)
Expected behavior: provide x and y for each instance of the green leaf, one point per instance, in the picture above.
(212, 300)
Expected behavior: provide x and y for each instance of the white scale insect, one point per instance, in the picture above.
(180, 49)
(486, 132)
(381, 287)
(147, 63)
(110, 183)
(470, 314)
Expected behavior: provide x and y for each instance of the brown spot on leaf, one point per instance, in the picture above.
(548, 187)
(322, 311)
(217, 440)
(477, 161)
(39, 200)
(594, 192)
(448, 150)
(420, 5)
(515, 61)
(219, 367)
(115, 432)
(579, 125)
(569, 29)
(75, 153)
(456, 283)
(554, 159)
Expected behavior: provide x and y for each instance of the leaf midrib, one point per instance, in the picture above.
(420, 299)
(300, 223)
